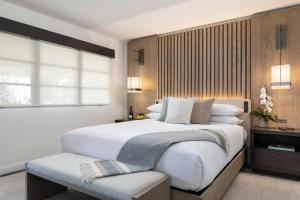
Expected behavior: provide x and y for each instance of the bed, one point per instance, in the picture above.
(192, 166)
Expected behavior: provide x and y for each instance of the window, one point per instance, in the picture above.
(41, 73)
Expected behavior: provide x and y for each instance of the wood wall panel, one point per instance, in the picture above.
(206, 62)
(150, 73)
(264, 54)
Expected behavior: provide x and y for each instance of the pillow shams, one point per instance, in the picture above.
(155, 108)
(225, 110)
(179, 111)
(201, 111)
(164, 109)
(225, 119)
(153, 115)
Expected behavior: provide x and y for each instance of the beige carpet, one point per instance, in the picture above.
(245, 187)
(254, 187)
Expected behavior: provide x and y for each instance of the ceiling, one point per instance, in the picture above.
(127, 19)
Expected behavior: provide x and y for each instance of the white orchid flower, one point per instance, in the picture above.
(269, 110)
(266, 100)
(263, 90)
(263, 102)
(263, 95)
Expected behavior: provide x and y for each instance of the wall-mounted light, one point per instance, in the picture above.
(281, 74)
(280, 77)
(140, 56)
(134, 84)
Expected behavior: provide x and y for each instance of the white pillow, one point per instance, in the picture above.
(153, 115)
(225, 119)
(155, 108)
(179, 111)
(225, 109)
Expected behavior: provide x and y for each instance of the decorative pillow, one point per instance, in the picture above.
(164, 109)
(155, 108)
(179, 111)
(201, 111)
(153, 115)
(225, 119)
(225, 109)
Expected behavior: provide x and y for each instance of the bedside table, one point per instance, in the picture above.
(275, 162)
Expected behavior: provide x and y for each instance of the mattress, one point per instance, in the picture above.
(191, 165)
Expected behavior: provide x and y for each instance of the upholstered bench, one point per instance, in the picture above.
(51, 175)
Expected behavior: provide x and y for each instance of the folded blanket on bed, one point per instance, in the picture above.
(142, 153)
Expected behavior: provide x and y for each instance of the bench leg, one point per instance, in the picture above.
(158, 191)
(38, 188)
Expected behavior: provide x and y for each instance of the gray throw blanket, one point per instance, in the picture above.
(142, 153)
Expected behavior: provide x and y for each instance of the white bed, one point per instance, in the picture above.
(191, 165)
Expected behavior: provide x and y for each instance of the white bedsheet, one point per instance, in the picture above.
(191, 165)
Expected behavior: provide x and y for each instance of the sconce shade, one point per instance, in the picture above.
(281, 76)
(134, 84)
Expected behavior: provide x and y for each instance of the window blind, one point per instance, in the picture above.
(37, 73)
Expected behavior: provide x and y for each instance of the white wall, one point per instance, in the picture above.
(29, 133)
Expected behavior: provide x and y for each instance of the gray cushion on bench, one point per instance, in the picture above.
(64, 169)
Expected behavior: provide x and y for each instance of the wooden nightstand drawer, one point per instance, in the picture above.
(283, 162)
(283, 159)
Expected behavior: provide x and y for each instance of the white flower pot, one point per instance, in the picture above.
(263, 123)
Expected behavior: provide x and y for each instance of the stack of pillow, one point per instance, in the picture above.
(194, 111)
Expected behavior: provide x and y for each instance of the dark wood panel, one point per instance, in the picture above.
(243, 58)
(165, 67)
(182, 70)
(277, 161)
(193, 62)
(221, 62)
(169, 78)
(201, 58)
(186, 63)
(208, 62)
(229, 56)
(36, 33)
(248, 58)
(217, 70)
(159, 66)
(212, 68)
(225, 50)
(204, 54)
(234, 59)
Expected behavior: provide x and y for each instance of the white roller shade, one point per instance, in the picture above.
(41, 73)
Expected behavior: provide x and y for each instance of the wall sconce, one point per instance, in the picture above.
(140, 56)
(281, 74)
(280, 77)
(134, 84)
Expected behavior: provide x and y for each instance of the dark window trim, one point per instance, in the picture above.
(26, 30)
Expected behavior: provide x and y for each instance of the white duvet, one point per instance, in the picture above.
(191, 165)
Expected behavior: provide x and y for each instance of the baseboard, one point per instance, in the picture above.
(12, 168)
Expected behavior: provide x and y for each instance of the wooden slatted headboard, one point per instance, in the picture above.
(211, 61)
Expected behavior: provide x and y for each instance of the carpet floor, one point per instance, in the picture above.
(245, 187)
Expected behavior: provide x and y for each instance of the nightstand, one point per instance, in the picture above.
(270, 158)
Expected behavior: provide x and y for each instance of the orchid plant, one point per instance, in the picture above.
(267, 104)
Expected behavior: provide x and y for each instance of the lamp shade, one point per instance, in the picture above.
(134, 84)
(281, 76)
